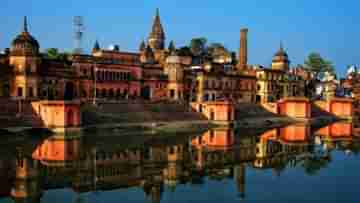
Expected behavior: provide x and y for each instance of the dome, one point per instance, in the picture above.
(280, 55)
(24, 43)
(281, 52)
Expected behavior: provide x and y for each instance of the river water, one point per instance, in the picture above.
(296, 163)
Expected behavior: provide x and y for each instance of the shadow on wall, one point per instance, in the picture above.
(57, 114)
(15, 113)
(341, 108)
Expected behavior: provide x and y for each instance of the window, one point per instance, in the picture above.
(212, 135)
(31, 92)
(20, 91)
(172, 93)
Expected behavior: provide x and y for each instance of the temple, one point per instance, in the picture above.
(214, 83)
(152, 73)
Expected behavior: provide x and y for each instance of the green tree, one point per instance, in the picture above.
(184, 51)
(318, 65)
(217, 49)
(198, 46)
(53, 53)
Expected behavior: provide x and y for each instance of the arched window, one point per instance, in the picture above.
(97, 92)
(111, 93)
(118, 93)
(70, 118)
(103, 93)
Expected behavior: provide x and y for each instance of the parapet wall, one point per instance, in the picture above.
(58, 115)
(222, 111)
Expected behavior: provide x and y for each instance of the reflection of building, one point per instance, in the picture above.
(99, 164)
(216, 138)
(26, 185)
(275, 146)
(336, 130)
(240, 178)
(58, 151)
(339, 134)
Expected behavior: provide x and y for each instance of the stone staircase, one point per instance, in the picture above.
(139, 112)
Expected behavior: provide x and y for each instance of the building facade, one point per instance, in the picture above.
(153, 73)
(278, 82)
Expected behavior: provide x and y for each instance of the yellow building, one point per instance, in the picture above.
(25, 59)
(214, 83)
(278, 82)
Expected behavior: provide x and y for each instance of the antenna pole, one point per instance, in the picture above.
(78, 34)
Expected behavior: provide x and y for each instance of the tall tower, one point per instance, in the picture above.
(175, 71)
(78, 34)
(156, 38)
(243, 52)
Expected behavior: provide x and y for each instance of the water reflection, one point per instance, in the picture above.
(84, 165)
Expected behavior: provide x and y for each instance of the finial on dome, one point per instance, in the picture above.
(157, 12)
(25, 26)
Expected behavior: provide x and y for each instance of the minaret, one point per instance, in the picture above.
(156, 38)
(243, 52)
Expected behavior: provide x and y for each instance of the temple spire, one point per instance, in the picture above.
(25, 26)
(157, 34)
(157, 29)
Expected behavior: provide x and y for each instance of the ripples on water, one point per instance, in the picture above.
(295, 163)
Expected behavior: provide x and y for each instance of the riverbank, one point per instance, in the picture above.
(172, 118)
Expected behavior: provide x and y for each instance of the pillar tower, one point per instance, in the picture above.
(175, 71)
(243, 52)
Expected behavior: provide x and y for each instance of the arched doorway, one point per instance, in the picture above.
(69, 93)
(145, 92)
(111, 93)
(70, 118)
(6, 90)
(212, 115)
(258, 99)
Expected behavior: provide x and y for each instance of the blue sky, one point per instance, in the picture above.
(328, 27)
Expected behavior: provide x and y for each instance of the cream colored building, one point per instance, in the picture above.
(278, 82)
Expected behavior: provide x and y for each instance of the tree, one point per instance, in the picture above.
(184, 51)
(217, 49)
(54, 54)
(318, 65)
(198, 46)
